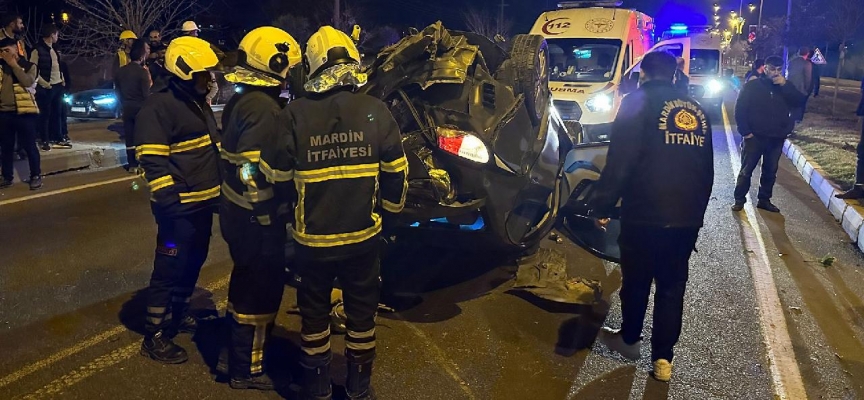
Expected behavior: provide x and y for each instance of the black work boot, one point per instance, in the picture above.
(767, 206)
(738, 206)
(187, 324)
(856, 192)
(358, 383)
(259, 382)
(316, 383)
(159, 347)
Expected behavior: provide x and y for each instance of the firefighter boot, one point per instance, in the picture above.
(260, 382)
(358, 383)
(184, 322)
(159, 347)
(316, 383)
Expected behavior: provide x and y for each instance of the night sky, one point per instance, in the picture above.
(422, 12)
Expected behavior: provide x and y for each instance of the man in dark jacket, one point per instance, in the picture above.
(857, 191)
(801, 78)
(343, 152)
(176, 139)
(661, 166)
(252, 218)
(132, 84)
(762, 114)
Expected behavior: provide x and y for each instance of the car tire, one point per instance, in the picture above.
(529, 56)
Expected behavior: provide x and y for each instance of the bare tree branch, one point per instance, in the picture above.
(484, 24)
(95, 28)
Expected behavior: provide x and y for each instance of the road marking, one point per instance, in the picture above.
(67, 190)
(115, 357)
(785, 374)
(443, 361)
(93, 341)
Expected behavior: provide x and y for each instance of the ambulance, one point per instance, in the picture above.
(594, 51)
(705, 64)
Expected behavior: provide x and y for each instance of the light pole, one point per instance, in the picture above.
(788, 28)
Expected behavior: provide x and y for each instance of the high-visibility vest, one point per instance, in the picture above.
(124, 58)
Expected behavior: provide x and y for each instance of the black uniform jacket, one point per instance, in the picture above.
(250, 124)
(177, 145)
(764, 108)
(660, 162)
(343, 152)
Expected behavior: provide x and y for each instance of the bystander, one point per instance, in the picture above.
(18, 113)
(801, 78)
(132, 84)
(49, 94)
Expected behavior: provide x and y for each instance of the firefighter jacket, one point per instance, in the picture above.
(249, 124)
(176, 143)
(343, 152)
(660, 162)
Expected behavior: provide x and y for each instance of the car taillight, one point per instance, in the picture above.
(462, 144)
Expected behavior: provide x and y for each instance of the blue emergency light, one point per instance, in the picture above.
(678, 28)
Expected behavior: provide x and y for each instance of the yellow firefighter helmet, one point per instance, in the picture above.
(127, 34)
(329, 47)
(187, 55)
(265, 56)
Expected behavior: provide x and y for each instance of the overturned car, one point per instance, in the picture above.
(488, 153)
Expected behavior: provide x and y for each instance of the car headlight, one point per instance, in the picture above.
(714, 86)
(67, 99)
(105, 101)
(599, 103)
(462, 144)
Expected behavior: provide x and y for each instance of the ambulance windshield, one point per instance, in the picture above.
(704, 62)
(583, 60)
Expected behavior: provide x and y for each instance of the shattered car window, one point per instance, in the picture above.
(583, 60)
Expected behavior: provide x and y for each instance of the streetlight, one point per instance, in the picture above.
(733, 14)
(716, 7)
(752, 7)
(64, 17)
(716, 17)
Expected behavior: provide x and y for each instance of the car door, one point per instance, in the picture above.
(582, 169)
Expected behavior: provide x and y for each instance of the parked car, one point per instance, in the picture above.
(100, 102)
(491, 162)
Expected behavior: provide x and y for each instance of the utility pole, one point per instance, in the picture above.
(788, 29)
(501, 18)
(336, 14)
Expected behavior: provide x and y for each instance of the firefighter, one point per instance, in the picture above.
(177, 139)
(126, 39)
(343, 152)
(253, 222)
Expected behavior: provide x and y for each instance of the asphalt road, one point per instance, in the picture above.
(73, 263)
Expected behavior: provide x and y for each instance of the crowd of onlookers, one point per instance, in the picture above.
(35, 80)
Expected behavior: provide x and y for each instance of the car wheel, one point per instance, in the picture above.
(530, 59)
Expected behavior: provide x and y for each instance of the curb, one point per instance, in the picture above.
(849, 214)
(92, 158)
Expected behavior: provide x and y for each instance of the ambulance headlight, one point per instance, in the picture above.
(714, 87)
(599, 103)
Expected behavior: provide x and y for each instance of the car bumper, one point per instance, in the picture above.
(89, 112)
(596, 133)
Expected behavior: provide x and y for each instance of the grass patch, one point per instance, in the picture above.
(830, 140)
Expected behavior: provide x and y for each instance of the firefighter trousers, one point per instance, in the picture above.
(256, 287)
(182, 244)
(359, 278)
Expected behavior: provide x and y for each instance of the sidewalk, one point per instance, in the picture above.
(96, 145)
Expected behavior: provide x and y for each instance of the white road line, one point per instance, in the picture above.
(115, 357)
(440, 358)
(785, 374)
(83, 345)
(67, 190)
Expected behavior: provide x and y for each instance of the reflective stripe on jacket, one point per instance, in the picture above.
(177, 142)
(343, 152)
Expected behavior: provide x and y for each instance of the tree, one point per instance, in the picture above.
(845, 18)
(96, 26)
(298, 27)
(484, 24)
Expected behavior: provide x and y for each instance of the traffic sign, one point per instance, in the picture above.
(818, 58)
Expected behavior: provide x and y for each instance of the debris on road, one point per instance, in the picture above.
(827, 261)
(796, 310)
(544, 274)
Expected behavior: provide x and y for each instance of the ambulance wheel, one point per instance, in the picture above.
(530, 58)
